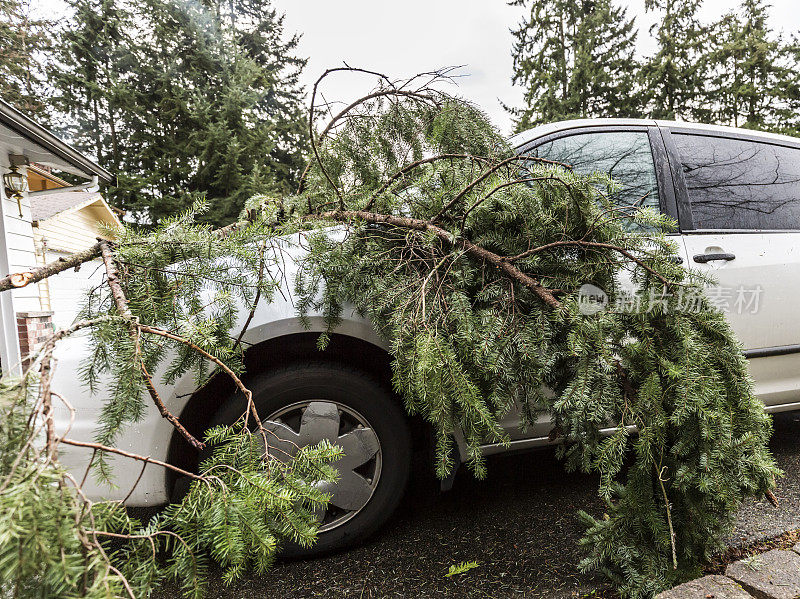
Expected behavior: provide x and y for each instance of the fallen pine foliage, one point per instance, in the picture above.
(469, 259)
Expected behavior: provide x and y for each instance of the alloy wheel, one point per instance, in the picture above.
(309, 422)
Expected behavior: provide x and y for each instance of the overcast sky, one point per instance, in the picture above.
(403, 38)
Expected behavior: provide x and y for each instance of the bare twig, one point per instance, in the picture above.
(661, 481)
(45, 396)
(771, 498)
(261, 265)
(127, 454)
(251, 408)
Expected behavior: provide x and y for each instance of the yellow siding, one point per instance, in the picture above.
(58, 236)
(70, 232)
(101, 215)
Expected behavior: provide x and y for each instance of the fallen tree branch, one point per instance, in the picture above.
(486, 174)
(592, 244)
(127, 454)
(122, 307)
(251, 408)
(483, 254)
(340, 115)
(409, 167)
(21, 279)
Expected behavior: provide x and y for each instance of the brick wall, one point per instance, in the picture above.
(34, 328)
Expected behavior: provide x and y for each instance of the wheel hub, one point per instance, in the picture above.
(359, 469)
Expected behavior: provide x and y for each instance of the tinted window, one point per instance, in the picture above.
(735, 184)
(625, 155)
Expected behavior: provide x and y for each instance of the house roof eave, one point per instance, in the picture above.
(24, 126)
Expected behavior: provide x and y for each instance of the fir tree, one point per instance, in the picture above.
(24, 37)
(253, 137)
(671, 79)
(754, 77)
(184, 99)
(574, 59)
(92, 58)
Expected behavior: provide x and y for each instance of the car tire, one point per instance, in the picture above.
(357, 398)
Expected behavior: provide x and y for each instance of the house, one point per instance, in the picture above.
(26, 314)
(65, 223)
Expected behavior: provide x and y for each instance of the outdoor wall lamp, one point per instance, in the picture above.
(16, 183)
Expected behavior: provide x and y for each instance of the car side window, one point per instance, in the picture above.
(625, 155)
(740, 184)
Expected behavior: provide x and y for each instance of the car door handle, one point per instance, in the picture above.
(703, 258)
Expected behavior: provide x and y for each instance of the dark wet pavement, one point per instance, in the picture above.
(519, 524)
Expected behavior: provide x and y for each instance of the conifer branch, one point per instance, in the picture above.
(465, 343)
(332, 123)
(593, 244)
(251, 407)
(17, 280)
(488, 173)
(112, 278)
(476, 251)
(410, 167)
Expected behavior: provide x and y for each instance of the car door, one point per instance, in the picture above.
(627, 154)
(739, 204)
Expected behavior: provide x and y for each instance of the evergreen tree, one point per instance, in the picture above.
(753, 72)
(23, 39)
(574, 59)
(193, 99)
(252, 140)
(671, 79)
(93, 57)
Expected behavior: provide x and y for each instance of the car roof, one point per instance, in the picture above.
(530, 135)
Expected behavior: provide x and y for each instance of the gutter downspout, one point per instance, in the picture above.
(92, 185)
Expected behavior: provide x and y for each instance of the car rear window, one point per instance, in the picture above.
(740, 184)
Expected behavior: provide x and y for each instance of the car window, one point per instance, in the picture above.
(625, 155)
(739, 184)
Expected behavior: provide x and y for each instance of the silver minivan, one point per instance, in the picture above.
(736, 196)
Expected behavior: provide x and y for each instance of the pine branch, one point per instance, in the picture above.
(483, 254)
(17, 280)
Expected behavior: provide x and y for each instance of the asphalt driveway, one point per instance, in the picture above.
(519, 524)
